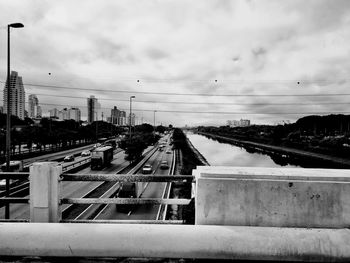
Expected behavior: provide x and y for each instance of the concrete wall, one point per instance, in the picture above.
(173, 241)
(272, 197)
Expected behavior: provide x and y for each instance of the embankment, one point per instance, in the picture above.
(189, 158)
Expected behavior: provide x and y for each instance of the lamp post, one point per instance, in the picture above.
(154, 123)
(96, 131)
(131, 97)
(8, 120)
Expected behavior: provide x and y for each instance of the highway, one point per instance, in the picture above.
(70, 189)
(78, 189)
(152, 190)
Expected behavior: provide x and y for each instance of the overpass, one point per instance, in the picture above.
(240, 214)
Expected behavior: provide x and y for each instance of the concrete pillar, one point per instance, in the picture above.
(45, 192)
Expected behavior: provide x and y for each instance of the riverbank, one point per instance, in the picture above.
(198, 154)
(326, 159)
(188, 158)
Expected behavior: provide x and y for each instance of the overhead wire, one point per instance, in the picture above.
(201, 103)
(214, 112)
(185, 94)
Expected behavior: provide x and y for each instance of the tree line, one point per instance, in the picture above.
(49, 133)
(329, 134)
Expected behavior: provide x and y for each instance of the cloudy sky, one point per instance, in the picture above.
(265, 60)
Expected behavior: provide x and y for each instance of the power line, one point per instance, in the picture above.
(247, 113)
(220, 112)
(221, 80)
(202, 103)
(187, 94)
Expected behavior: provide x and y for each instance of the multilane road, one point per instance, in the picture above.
(152, 190)
(69, 189)
(79, 189)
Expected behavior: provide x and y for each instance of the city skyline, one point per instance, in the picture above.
(195, 63)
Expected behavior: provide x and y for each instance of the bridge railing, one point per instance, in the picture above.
(45, 188)
(228, 201)
(135, 178)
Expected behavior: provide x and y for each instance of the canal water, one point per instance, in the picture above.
(224, 154)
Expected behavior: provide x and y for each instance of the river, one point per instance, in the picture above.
(224, 154)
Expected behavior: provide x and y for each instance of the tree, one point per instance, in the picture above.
(144, 128)
(160, 129)
(133, 148)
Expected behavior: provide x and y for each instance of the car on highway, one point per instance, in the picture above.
(97, 145)
(164, 165)
(85, 153)
(147, 169)
(69, 158)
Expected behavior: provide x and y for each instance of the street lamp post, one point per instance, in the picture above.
(131, 97)
(96, 131)
(154, 122)
(8, 120)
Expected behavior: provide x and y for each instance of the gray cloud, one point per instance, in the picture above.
(156, 54)
(251, 47)
(258, 52)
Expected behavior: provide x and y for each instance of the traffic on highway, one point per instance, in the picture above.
(157, 159)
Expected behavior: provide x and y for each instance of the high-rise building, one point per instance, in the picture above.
(37, 111)
(117, 116)
(63, 114)
(74, 114)
(17, 97)
(93, 108)
(240, 123)
(32, 102)
(245, 123)
(53, 113)
(122, 118)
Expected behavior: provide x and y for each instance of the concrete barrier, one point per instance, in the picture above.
(174, 241)
(273, 197)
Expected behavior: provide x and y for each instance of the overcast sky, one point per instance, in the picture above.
(238, 49)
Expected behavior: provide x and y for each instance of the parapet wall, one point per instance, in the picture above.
(276, 197)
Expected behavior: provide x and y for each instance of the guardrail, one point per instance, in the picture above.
(228, 185)
(45, 184)
(77, 164)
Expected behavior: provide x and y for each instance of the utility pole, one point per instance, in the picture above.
(154, 125)
(8, 120)
(131, 97)
(96, 126)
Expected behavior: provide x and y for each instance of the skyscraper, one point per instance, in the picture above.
(115, 114)
(53, 113)
(17, 97)
(93, 108)
(63, 114)
(32, 103)
(122, 118)
(37, 111)
(74, 114)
